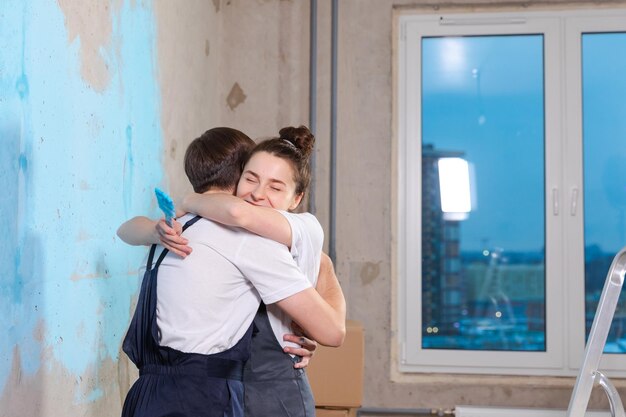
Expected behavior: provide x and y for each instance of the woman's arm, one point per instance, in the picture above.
(233, 211)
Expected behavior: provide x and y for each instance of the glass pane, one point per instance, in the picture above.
(604, 156)
(483, 226)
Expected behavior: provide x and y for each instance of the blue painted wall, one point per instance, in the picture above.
(75, 161)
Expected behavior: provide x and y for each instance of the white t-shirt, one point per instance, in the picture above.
(307, 239)
(207, 301)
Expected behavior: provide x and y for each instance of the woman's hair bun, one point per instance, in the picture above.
(301, 137)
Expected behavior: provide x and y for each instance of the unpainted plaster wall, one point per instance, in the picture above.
(365, 207)
(252, 75)
(264, 65)
(189, 55)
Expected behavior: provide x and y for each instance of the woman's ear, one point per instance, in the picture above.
(296, 201)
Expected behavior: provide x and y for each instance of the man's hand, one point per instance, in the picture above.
(306, 349)
(171, 238)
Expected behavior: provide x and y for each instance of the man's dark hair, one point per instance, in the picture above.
(215, 159)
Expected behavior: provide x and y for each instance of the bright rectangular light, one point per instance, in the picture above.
(454, 187)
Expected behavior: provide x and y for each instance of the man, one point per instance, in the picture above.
(190, 335)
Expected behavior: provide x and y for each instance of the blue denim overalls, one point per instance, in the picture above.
(273, 387)
(173, 383)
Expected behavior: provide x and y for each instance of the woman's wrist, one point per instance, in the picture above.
(184, 203)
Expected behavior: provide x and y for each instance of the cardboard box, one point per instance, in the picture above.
(335, 412)
(336, 374)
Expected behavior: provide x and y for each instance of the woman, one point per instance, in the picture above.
(274, 180)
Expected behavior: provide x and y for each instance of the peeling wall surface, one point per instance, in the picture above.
(81, 151)
(98, 102)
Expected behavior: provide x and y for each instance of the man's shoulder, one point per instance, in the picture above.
(204, 223)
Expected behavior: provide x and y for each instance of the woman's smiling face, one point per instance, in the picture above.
(268, 181)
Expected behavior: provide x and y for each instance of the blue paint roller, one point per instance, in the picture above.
(166, 205)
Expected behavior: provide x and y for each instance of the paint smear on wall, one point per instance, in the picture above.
(87, 26)
(81, 152)
(236, 96)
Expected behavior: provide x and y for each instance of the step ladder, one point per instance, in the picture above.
(589, 373)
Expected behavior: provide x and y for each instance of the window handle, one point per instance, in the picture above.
(555, 201)
(574, 202)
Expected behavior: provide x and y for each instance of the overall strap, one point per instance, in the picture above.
(150, 257)
(152, 322)
(165, 251)
(191, 222)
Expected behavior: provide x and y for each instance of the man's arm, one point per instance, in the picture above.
(318, 319)
(327, 315)
(270, 268)
(142, 230)
(330, 290)
(138, 231)
(328, 287)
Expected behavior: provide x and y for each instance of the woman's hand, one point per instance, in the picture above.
(306, 349)
(171, 238)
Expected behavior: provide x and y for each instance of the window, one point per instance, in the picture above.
(511, 188)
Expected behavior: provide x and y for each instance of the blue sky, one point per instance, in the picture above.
(485, 96)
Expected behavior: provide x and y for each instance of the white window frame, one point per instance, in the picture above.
(563, 182)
